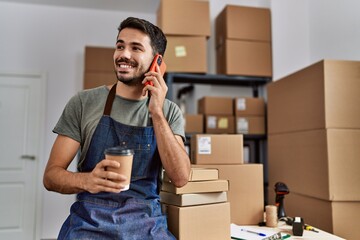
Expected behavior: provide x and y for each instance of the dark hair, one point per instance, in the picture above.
(157, 38)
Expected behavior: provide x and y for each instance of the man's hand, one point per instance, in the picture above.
(101, 180)
(158, 91)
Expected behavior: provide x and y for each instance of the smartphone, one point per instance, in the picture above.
(158, 60)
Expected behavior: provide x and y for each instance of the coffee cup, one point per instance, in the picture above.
(125, 157)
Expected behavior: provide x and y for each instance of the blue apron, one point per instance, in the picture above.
(132, 214)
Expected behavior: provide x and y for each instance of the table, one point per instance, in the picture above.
(286, 229)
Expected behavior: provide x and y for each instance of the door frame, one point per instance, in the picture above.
(41, 160)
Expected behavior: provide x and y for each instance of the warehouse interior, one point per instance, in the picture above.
(303, 90)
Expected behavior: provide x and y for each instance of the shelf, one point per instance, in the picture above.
(246, 136)
(216, 79)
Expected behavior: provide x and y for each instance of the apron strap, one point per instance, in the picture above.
(110, 100)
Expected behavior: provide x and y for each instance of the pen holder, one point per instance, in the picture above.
(298, 226)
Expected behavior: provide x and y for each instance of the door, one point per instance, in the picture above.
(21, 120)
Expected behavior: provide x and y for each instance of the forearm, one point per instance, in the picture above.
(174, 158)
(63, 181)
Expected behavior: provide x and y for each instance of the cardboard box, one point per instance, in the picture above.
(99, 59)
(204, 222)
(192, 199)
(335, 217)
(96, 79)
(243, 23)
(197, 187)
(319, 163)
(250, 125)
(186, 54)
(323, 95)
(199, 174)
(178, 17)
(99, 67)
(249, 106)
(247, 58)
(219, 124)
(194, 123)
(246, 191)
(216, 149)
(216, 105)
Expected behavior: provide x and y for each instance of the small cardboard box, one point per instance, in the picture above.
(249, 106)
(199, 174)
(243, 23)
(331, 216)
(203, 222)
(248, 58)
(194, 123)
(250, 125)
(323, 95)
(219, 124)
(186, 54)
(216, 105)
(191, 199)
(96, 79)
(319, 163)
(187, 17)
(104, 59)
(246, 191)
(217, 149)
(197, 187)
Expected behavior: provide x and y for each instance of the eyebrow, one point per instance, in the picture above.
(131, 43)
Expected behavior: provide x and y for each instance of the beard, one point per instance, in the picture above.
(130, 81)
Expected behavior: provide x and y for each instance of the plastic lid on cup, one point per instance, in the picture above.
(118, 150)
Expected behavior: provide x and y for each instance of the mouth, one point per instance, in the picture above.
(124, 67)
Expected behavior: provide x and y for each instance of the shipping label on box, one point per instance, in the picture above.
(217, 149)
(247, 106)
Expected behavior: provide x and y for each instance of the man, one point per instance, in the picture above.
(124, 115)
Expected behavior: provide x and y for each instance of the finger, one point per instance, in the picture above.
(152, 79)
(108, 163)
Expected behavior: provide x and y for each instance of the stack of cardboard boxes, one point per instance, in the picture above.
(244, 115)
(186, 24)
(313, 144)
(225, 153)
(99, 67)
(243, 41)
(198, 210)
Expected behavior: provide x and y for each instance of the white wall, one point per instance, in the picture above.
(35, 38)
(334, 30)
(48, 39)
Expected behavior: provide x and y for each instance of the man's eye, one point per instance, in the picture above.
(119, 47)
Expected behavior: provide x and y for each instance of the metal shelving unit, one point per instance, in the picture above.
(256, 143)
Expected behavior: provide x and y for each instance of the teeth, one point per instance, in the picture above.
(125, 66)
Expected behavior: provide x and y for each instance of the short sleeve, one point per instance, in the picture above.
(69, 123)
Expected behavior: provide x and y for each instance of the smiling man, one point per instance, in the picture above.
(121, 114)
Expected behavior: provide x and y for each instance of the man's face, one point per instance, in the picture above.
(132, 56)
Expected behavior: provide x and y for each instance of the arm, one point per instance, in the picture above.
(171, 148)
(57, 178)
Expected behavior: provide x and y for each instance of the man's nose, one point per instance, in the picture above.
(125, 54)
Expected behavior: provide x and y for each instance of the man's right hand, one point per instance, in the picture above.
(102, 180)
